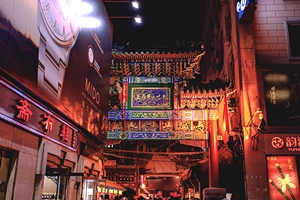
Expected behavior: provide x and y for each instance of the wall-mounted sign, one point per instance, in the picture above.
(66, 65)
(91, 151)
(240, 6)
(281, 92)
(278, 144)
(245, 10)
(19, 109)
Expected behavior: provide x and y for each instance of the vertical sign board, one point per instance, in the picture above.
(283, 165)
(283, 177)
(281, 91)
(44, 47)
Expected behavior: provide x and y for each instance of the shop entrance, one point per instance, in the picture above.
(89, 189)
(60, 184)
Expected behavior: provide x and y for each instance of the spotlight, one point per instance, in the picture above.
(135, 4)
(138, 19)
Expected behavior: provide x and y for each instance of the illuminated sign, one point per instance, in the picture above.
(282, 144)
(245, 10)
(32, 116)
(291, 143)
(240, 6)
(71, 70)
(283, 177)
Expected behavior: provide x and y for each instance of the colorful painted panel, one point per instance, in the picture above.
(195, 114)
(162, 114)
(149, 135)
(150, 114)
(157, 135)
(151, 98)
(115, 115)
(283, 178)
(147, 80)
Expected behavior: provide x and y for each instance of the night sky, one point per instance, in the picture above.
(164, 22)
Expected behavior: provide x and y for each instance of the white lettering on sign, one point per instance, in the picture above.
(91, 90)
(240, 6)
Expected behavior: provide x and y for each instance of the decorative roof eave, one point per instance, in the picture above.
(147, 55)
(197, 93)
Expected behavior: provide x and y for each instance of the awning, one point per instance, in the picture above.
(111, 185)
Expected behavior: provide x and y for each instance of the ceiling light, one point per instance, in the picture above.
(138, 19)
(135, 4)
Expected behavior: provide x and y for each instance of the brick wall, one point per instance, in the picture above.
(270, 40)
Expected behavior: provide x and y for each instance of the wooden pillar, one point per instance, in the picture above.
(213, 169)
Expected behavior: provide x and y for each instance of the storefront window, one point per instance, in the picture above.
(7, 172)
(89, 189)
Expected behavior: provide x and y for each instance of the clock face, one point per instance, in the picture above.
(61, 19)
(91, 55)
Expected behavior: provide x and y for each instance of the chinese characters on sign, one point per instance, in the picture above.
(47, 122)
(65, 134)
(292, 143)
(24, 112)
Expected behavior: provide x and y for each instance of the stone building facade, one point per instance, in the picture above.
(264, 65)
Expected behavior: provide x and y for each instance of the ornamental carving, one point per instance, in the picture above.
(149, 125)
(132, 125)
(167, 125)
(154, 101)
(184, 126)
(116, 125)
